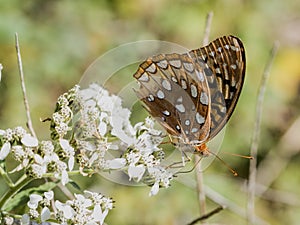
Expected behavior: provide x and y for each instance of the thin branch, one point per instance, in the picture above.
(64, 189)
(29, 122)
(198, 170)
(207, 28)
(255, 137)
(206, 216)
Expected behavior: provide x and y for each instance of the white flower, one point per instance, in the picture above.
(82, 201)
(19, 132)
(47, 147)
(154, 189)
(98, 215)
(121, 126)
(5, 150)
(136, 171)
(29, 141)
(38, 170)
(68, 149)
(133, 157)
(34, 201)
(8, 135)
(68, 211)
(162, 178)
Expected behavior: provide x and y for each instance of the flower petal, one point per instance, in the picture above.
(71, 163)
(45, 214)
(64, 177)
(34, 201)
(5, 150)
(25, 219)
(154, 190)
(49, 195)
(117, 163)
(29, 141)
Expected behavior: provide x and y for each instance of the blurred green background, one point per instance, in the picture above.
(59, 40)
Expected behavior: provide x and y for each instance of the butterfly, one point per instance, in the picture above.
(193, 95)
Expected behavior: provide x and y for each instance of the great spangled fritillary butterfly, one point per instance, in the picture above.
(193, 95)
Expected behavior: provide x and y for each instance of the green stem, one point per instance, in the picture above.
(5, 176)
(14, 189)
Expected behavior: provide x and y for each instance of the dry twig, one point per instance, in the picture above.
(205, 216)
(198, 171)
(255, 137)
(21, 73)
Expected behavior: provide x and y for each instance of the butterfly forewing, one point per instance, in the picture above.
(175, 92)
(226, 60)
(193, 95)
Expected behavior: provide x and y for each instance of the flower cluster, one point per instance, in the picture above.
(90, 131)
(90, 208)
(62, 117)
(103, 118)
(37, 158)
(39, 208)
(92, 123)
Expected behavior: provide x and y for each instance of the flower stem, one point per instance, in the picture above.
(14, 189)
(5, 176)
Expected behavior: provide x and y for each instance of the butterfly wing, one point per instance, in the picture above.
(224, 62)
(174, 90)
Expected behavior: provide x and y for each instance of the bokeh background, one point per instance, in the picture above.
(60, 39)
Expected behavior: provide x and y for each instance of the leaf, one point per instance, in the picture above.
(74, 185)
(22, 197)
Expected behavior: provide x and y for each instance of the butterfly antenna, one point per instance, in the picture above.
(238, 155)
(230, 169)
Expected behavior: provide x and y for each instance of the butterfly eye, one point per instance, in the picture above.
(193, 95)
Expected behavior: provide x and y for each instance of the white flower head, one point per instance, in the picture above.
(19, 132)
(162, 178)
(67, 210)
